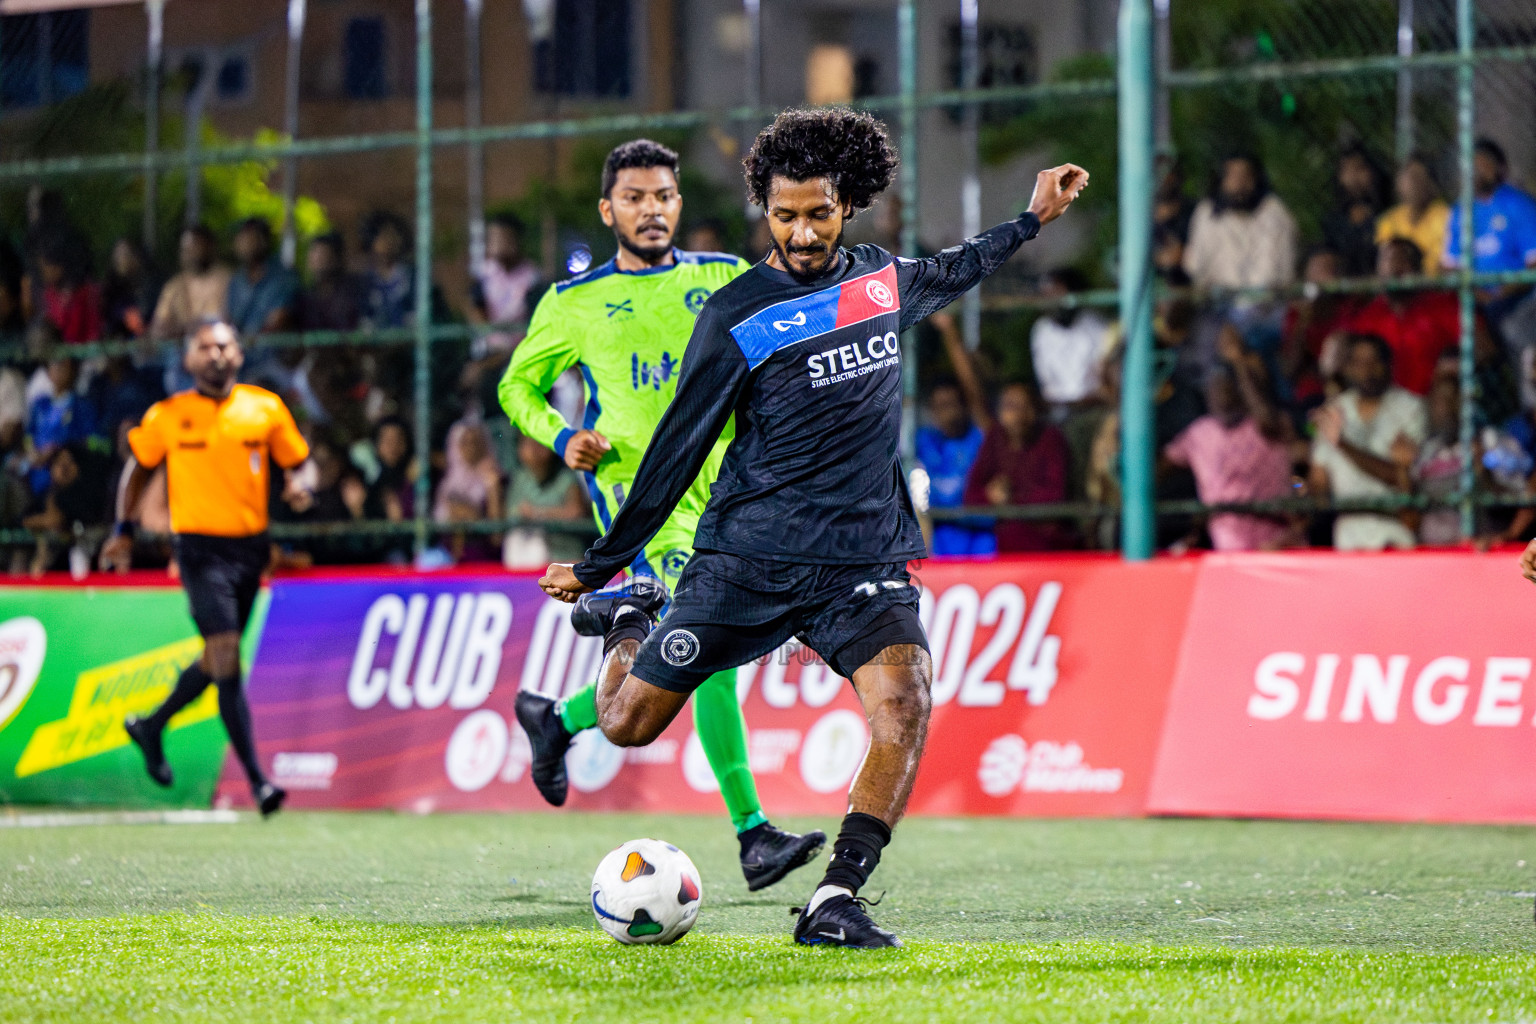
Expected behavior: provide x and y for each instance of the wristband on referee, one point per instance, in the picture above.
(124, 528)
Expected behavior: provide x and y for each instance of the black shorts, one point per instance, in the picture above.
(222, 576)
(729, 610)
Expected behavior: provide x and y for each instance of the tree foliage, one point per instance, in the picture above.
(1296, 128)
(107, 119)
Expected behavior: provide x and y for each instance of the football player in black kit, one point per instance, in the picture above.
(809, 527)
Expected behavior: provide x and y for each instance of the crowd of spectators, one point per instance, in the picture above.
(65, 411)
(1338, 395)
(1352, 395)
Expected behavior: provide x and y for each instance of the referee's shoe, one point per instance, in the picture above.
(147, 738)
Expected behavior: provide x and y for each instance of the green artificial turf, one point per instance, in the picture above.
(372, 917)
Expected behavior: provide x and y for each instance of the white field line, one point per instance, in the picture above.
(58, 819)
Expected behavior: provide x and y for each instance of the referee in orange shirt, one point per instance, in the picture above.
(217, 440)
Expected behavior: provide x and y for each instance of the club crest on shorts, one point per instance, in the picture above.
(679, 647)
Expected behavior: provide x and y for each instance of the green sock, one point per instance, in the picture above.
(579, 710)
(723, 732)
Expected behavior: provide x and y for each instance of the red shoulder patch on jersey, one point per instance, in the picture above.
(867, 297)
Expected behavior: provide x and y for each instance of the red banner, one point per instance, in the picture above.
(1050, 676)
(1393, 687)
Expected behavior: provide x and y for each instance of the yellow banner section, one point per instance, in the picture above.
(104, 696)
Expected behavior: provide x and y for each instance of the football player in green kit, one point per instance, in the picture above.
(624, 325)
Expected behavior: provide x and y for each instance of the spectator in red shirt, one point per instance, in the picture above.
(1023, 461)
(1309, 322)
(71, 301)
(1416, 325)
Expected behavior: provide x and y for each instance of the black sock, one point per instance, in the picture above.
(236, 714)
(857, 851)
(189, 686)
(629, 623)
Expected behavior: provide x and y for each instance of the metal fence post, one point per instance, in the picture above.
(1405, 126)
(423, 387)
(906, 42)
(1162, 58)
(1464, 132)
(155, 58)
(1138, 527)
(970, 181)
(192, 130)
(296, 13)
(474, 153)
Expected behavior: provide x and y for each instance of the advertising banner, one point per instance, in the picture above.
(74, 661)
(1393, 687)
(1050, 681)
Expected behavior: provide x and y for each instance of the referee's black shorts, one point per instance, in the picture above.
(729, 610)
(222, 576)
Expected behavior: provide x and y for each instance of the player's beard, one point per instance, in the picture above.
(651, 253)
(820, 272)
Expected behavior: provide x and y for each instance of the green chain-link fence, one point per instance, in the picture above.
(1293, 82)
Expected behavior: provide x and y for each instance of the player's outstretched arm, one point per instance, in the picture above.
(713, 374)
(1055, 190)
(928, 285)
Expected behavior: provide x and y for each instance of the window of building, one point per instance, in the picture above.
(584, 49)
(363, 53)
(233, 83)
(1007, 56)
(44, 58)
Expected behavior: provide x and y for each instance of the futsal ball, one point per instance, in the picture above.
(646, 891)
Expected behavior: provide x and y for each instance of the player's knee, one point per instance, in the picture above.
(221, 656)
(627, 727)
(901, 712)
(910, 701)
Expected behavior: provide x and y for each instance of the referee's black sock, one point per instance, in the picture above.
(189, 686)
(856, 852)
(236, 714)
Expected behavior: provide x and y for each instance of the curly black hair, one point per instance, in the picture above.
(848, 146)
(640, 153)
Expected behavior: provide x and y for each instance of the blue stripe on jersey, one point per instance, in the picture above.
(594, 410)
(595, 274)
(705, 257)
(611, 267)
(641, 566)
(786, 323)
(588, 421)
(596, 494)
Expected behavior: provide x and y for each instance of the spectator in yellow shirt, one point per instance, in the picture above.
(1420, 214)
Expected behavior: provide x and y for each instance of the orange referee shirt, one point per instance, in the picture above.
(217, 452)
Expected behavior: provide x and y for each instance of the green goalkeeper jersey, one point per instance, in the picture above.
(625, 332)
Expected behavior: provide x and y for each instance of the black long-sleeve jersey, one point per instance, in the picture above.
(813, 373)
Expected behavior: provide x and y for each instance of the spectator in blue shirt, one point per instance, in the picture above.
(958, 416)
(389, 286)
(1503, 229)
(262, 292)
(56, 418)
